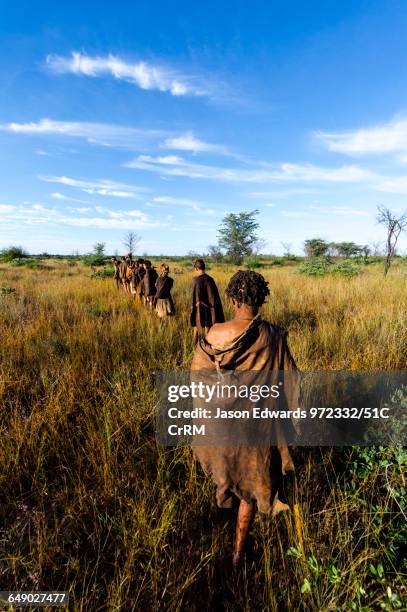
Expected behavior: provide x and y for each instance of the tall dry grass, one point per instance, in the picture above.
(91, 505)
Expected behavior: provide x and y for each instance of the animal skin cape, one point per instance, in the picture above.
(248, 472)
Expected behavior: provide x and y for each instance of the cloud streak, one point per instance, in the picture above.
(388, 137)
(105, 134)
(195, 205)
(100, 217)
(172, 165)
(142, 74)
(103, 187)
(60, 196)
(189, 142)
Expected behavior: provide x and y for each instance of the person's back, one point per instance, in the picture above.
(149, 280)
(206, 308)
(252, 474)
(164, 305)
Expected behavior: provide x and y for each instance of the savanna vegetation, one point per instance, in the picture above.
(90, 504)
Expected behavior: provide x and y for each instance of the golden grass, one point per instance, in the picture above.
(90, 504)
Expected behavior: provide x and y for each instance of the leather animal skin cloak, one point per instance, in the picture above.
(206, 303)
(248, 472)
(149, 280)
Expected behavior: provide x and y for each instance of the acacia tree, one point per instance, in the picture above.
(131, 241)
(99, 249)
(394, 226)
(97, 258)
(346, 249)
(316, 247)
(237, 234)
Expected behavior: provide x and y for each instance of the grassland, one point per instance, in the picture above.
(91, 505)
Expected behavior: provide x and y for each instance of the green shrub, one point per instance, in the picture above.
(13, 252)
(253, 262)
(105, 273)
(346, 267)
(318, 266)
(27, 262)
(95, 260)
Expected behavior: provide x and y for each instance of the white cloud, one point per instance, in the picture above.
(143, 74)
(120, 214)
(171, 165)
(195, 205)
(106, 134)
(308, 172)
(5, 208)
(395, 184)
(80, 209)
(103, 218)
(189, 142)
(388, 137)
(101, 187)
(60, 196)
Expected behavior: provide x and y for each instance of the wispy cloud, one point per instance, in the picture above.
(388, 137)
(102, 187)
(394, 184)
(140, 73)
(309, 172)
(99, 217)
(106, 134)
(189, 142)
(37, 151)
(60, 196)
(172, 165)
(195, 205)
(6, 208)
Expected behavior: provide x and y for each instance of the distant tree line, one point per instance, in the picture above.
(317, 247)
(238, 240)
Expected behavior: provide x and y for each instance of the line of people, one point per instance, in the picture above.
(252, 476)
(139, 278)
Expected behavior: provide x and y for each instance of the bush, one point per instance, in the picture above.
(105, 273)
(318, 266)
(27, 262)
(253, 262)
(95, 260)
(347, 267)
(13, 252)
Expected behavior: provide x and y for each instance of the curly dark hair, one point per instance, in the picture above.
(248, 287)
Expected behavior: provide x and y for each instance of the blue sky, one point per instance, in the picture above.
(162, 117)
